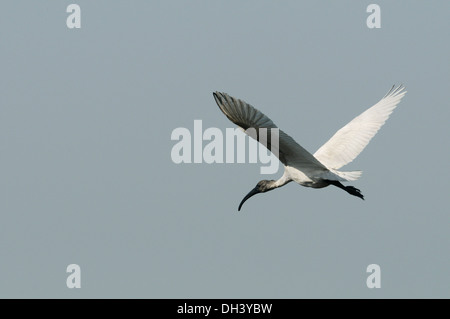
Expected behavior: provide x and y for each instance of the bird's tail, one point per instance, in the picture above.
(348, 176)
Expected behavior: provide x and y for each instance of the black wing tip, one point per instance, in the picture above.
(218, 97)
(221, 98)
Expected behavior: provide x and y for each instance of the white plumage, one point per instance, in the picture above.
(321, 169)
(344, 146)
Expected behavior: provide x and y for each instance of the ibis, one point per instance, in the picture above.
(322, 168)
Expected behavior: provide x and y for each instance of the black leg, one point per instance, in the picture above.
(349, 189)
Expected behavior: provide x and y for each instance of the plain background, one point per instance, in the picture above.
(86, 175)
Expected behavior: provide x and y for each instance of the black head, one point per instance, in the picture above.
(262, 187)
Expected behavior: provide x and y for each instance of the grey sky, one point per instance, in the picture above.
(85, 123)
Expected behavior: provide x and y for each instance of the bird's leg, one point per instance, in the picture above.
(349, 189)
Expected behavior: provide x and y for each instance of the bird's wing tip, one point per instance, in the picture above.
(219, 95)
(395, 90)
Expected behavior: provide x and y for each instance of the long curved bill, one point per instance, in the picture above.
(254, 191)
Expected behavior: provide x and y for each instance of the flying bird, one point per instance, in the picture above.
(320, 169)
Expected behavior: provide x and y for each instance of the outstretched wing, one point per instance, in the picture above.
(350, 140)
(290, 153)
